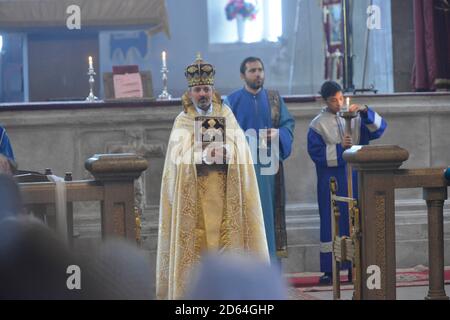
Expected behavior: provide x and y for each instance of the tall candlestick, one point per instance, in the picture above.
(91, 73)
(164, 62)
(165, 95)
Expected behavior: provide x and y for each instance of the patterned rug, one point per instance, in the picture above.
(309, 282)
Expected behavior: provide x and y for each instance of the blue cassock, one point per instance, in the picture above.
(254, 112)
(324, 147)
(5, 145)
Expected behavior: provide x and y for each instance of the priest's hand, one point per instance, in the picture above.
(347, 142)
(217, 155)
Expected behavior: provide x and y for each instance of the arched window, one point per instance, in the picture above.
(247, 21)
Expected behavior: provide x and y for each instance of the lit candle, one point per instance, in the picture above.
(90, 63)
(347, 104)
(164, 59)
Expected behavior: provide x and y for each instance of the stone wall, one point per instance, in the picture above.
(62, 137)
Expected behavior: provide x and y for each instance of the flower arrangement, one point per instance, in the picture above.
(240, 7)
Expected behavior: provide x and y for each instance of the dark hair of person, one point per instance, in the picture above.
(249, 60)
(329, 89)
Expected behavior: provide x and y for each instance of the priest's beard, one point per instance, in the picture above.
(255, 85)
(202, 103)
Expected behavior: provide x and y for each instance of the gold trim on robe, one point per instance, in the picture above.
(189, 203)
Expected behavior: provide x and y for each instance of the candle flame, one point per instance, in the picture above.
(164, 57)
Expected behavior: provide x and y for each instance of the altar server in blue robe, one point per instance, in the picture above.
(269, 128)
(7, 163)
(326, 143)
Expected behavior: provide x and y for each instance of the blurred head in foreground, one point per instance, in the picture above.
(233, 276)
(36, 264)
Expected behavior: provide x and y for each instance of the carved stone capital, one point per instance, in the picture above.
(116, 167)
(379, 157)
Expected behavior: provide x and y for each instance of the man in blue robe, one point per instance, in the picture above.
(7, 163)
(269, 129)
(326, 143)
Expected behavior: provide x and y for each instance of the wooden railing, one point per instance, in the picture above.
(113, 186)
(378, 177)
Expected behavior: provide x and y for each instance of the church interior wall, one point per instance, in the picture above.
(387, 70)
(189, 35)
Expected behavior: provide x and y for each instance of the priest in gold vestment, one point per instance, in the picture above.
(206, 204)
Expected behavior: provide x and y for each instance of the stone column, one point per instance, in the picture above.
(117, 172)
(376, 166)
(435, 198)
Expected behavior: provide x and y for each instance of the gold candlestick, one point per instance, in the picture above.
(348, 116)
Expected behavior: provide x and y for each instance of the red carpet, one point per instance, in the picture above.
(417, 276)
